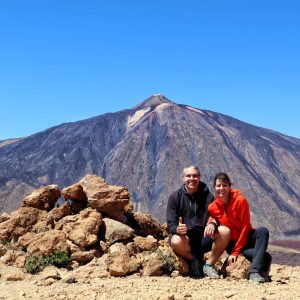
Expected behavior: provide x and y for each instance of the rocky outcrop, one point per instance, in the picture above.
(93, 237)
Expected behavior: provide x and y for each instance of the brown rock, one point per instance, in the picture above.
(84, 256)
(118, 261)
(50, 272)
(107, 199)
(74, 192)
(20, 261)
(3, 249)
(97, 268)
(114, 231)
(152, 265)
(26, 239)
(4, 217)
(145, 224)
(146, 244)
(21, 221)
(59, 212)
(83, 232)
(45, 243)
(43, 198)
(132, 248)
(15, 277)
(10, 256)
(238, 270)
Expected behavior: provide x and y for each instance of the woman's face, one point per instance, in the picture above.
(222, 189)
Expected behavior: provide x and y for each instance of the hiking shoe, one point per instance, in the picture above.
(256, 277)
(210, 271)
(266, 276)
(194, 267)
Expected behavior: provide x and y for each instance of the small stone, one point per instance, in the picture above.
(229, 294)
(175, 274)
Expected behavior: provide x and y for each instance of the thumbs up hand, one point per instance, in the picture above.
(181, 228)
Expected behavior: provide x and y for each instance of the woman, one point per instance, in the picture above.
(231, 209)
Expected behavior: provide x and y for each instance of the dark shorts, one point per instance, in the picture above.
(199, 244)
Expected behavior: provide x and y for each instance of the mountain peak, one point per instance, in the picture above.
(153, 100)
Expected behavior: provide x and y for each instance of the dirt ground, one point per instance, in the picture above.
(284, 285)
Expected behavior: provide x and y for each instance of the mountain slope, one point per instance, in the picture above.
(146, 148)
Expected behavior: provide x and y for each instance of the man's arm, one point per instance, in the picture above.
(172, 213)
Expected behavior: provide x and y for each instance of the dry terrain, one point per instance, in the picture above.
(284, 285)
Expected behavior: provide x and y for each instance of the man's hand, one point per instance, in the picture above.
(209, 230)
(231, 259)
(181, 228)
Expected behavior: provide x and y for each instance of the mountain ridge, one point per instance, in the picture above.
(145, 148)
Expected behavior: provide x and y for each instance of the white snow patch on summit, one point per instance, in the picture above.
(132, 120)
(160, 107)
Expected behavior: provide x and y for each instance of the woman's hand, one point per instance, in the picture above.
(231, 259)
(209, 230)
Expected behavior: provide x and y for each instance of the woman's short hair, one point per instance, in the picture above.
(222, 176)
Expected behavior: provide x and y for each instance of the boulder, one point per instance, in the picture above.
(59, 212)
(119, 262)
(144, 224)
(43, 198)
(113, 231)
(21, 222)
(84, 229)
(152, 265)
(85, 256)
(238, 270)
(74, 192)
(148, 243)
(45, 243)
(97, 268)
(108, 199)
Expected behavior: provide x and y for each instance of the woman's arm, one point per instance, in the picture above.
(244, 212)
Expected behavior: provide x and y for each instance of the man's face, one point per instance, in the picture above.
(191, 179)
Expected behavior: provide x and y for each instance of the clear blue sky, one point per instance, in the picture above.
(68, 60)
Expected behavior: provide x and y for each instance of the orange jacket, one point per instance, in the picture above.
(236, 216)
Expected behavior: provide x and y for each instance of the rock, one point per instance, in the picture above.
(59, 212)
(4, 217)
(113, 231)
(15, 277)
(108, 199)
(43, 198)
(10, 256)
(146, 244)
(118, 261)
(45, 243)
(152, 265)
(97, 268)
(144, 224)
(26, 239)
(84, 256)
(238, 270)
(83, 231)
(20, 261)
(75, 192)
(50, 272)
(21, 221)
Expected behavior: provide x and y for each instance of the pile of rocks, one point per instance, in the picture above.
(98, 229)
(95, 225)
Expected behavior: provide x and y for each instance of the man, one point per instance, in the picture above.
(191, 235)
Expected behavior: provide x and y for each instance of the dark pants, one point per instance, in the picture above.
(255, 250)
(198, 243)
